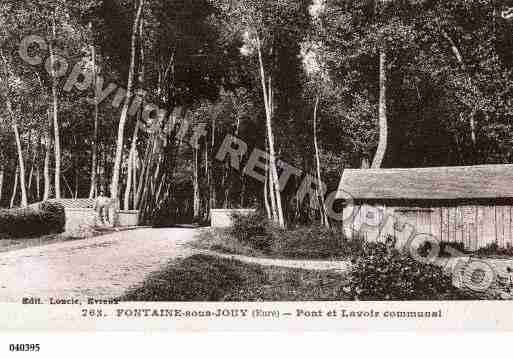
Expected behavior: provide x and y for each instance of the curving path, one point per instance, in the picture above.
(320, 265)
(102, 267)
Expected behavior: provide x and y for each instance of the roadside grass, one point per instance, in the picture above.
(203, 278)
(208, 278)
(307, 243)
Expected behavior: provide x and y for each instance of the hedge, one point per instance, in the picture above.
(48, 218)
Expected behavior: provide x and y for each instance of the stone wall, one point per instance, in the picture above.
(78, 219)
(222, 218)
(128, 218)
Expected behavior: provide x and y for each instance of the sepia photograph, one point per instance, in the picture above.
(255, 151)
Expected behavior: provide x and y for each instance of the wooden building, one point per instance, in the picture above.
(471, 205)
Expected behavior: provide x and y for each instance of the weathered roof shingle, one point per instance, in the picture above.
(436, 183)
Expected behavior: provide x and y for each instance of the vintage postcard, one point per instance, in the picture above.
(256, 165)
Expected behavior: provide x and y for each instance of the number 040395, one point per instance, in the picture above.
(24, 347)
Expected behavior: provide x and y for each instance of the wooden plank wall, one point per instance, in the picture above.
(476, 226)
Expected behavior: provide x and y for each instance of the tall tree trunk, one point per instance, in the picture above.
(15, 187)
(142, 174)
(1, 183)
(212, 188)
(133, 147)
(14, 124)
(94, 145)
(31, 172)
(46, 168)
(266, 196)
(273, 184)
(38, 184)
(131, 162)
(57, 139)
(195, 185)
(459, 58)
(124, 111)
(383, 121)
(320, 196)
(48, 146)
(208, 200)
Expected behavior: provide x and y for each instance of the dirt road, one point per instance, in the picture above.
(102, 267)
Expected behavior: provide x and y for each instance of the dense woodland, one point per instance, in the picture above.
(322, 85)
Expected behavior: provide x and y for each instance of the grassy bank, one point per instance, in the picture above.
(207, 278)
(303, 243)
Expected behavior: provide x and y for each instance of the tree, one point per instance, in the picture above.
(124, 111)
(5, 79)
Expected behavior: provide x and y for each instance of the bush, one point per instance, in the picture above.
(54, 215)
(253, 229)
(493, 249)
(445, 249)
(382, 273)
(313, 242)
(49, 218)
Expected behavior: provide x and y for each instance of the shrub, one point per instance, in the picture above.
(49, 218)
(54, 215)
(312, 242)
(445, 249)
(315, 242)
(383, 273)
(253, 229)
(493, 249)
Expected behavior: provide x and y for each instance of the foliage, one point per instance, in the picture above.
(253, 229)
(383, 273)
(449, 66)
(315, 242)
(55, 215)
(493, 249)
(207, 278)
(49, 218)
(255, 235)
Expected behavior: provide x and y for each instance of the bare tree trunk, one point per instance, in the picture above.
(459, 58)
(57, 140)
(14, 124)
(212, 188)
(195, 185)
(15, 187)
(320, 196)
(94, 146)
(208, 200)
(272, 198)
(48, 147)
(31, 172)
(131, 161)
(124, 111)
(383, 121)
(273, 185)
(133, 147)
(46, 168)
(1, 184)
(38, 184)
(266, 198)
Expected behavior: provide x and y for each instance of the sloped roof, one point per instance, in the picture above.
(436, 183)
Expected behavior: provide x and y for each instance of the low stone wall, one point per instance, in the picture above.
(128, 218)
(79, 218)
(222, 218)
